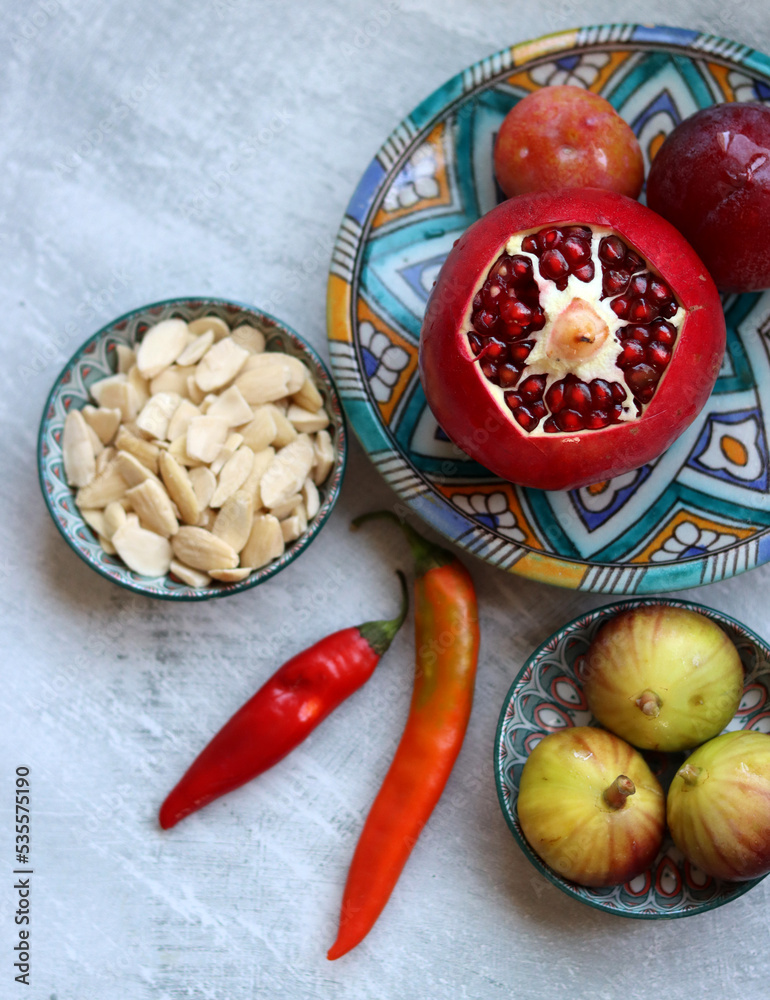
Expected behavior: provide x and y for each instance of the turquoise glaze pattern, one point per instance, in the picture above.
(547, 696)
(699, 513)
(96, 359)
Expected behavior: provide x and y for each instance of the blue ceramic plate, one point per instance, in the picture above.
(699, 513)
(96, 359)
(547, 696)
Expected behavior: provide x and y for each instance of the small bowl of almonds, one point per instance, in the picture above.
(192, 448)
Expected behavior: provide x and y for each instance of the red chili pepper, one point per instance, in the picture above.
(285, 710)
(447, 645)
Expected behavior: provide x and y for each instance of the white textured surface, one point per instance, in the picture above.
(261, 117)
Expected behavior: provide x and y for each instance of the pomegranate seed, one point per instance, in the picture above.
(576, 251)
(620, 306)
(525, 418)
(618, 392)
(641, 334)
(660, 291)
(633, 262)
(508, 376)
(658, 354)
(520, 313)
(477, 303)
(569, 420)
(664, 333)
(614, 282)
(489, 370)
(513, 330)
(640, 378)
(475, 341)
(612, 250)
(578, 397)
(641, 311)
(555, 397)
(586, 272)
(512, 400)
(550, 426)
(597, 420)
(520, 352)
(631, 354)
(616, 413)
(538, 321)
(638, 285)
(522, 266)
(532, 388)
(495, 349)
(582, 232)
(601, 393)
(501, 269)
(538, 409)
(553, 265)
(529, 244)
(485, 321)
(549, 238)
(490, 293)
(669, 309)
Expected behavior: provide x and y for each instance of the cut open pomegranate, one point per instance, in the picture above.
(570, 338)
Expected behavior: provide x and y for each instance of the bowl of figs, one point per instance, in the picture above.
(632, 758)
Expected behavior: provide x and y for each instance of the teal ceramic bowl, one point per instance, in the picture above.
(96, 359)
(547, 696)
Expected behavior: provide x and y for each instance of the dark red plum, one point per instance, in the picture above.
(711, 179)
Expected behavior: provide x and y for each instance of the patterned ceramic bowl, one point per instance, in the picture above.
(547, 696)
(96, 359)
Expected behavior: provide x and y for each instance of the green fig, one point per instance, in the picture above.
(719, 806)
(590, 807)
(663, 678)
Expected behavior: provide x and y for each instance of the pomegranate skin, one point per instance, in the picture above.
(460, 397)
(711, 179)
(718, 806)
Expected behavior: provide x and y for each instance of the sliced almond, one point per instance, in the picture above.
(78, 450)
(132, 470)
(173, 379)
(226, 452)
(126, 358)
(205, 436)
(261, 430)
(142, 551)
(231, 405)
(180, 488)
(94, 519)
(250, 338)
(234, 473)
(262, 460)
(178, 448)
(199, 327)
(195, 393)
(96, 443)
(180, 421)
(200, 549)
(324, 457)
(287, 472)
(265, 542)
(161, 346)
(288, 508)
(265, 378)
(107, 545)
(103, 460)
(196, 348)
(192, 577)
(144, 451)
(97, 389)
(103, 420)
(114, 517)
(157, 413)
(308, 396)
(304, 421)
(294, 526)
(140, 387)
(234, 520)
(285, 432)
(231, 575)
(152, 504)
(310, 498)
(220, 364)
(204, 482)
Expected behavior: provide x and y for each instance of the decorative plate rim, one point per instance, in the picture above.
(582, 621)
(133, 582)
(585, 574)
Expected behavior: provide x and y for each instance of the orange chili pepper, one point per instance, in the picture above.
(447, 646)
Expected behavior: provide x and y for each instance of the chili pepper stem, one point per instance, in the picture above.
(379, 634)
(427, 556)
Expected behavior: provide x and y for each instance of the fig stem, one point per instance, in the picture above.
(690, 774)
(649, 703)
(615, 796)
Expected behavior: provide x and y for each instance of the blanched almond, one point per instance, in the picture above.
(161, 346)
(250, 338)
(126, 357)
(294, 526)
(226, 452)
(195, 393)
(107, 545)
(308, 396)
(205, 435)
(285, 432)
(265, 542)
(261, 430)
(106, 486)
(311, 498)
(218, 327)
(140, 389)
(103, 460)
(97, 389)
(287, 472)
(192, 577)
(173, 379)
(265, 378)
(103, 420)
(231, 575)
(196, 348)
(200, 549)
(287, 508)
(95, 520)
(180, 421)
(152, 504)
(142, 551)
(234, 520)
(78, 450)
(180, 488)
(96, 444)
(114, 517)
(157, 413)
(303, 420)
(132, 470)
(297, 374)
(220, 364)
(262, 460)
(234, 473)
(324, 457)
(143, 451)
(204, 482)
(231, 405)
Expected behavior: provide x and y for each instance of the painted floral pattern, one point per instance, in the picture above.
(383, 360)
